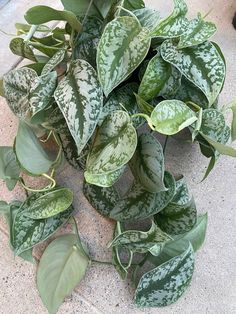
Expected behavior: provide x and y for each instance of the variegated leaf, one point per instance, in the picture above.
(221, 148)
(232, 106)
(201, 65)
(123, 98)
(171, 116)
(9, 168)
(116, 256)
(213, 124)
(133, 4)
(41, 95)
(197, 32)
(28, 232)
(102, 199)
(17, 84)
(54, 61)
(175, 24)
(148, 17)
(105, 180)
(160, 78)
(79, 96)
(142, 242)
(114, 144)
(49, 204)
(19, 47)
(122, 47)
(147, 164)
(87, 43)
(139, 204)
(144, 106)
(166, 283)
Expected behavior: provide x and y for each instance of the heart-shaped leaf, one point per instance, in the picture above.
(147, 164)
(50, 204)
(122, 47)
(42, 14)
(80, 98)
(54, 61)
(41, 96)
(9, 168)
(102, 199)
(197, 32)
(17, 84)
(28, 232)
(175, 24)
(29, 151)
(142, 242)
(166, 283)
(20, 48)
(180, 215)
(61, 268)
(196, 64)
(171, 116)
(139, 204)
(114, 144)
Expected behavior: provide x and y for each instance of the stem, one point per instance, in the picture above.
(48, 137)
(165, 144)
(102, 262)
(77, 231)
(53, 182)
(49, 187)
(35, 44)
(32, 30)
(87, 12)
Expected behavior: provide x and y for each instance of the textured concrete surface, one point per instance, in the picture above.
(213, 289)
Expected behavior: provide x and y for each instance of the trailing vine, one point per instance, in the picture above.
(99, 90)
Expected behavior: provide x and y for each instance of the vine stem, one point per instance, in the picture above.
(165, 144)
(32, 30)
(49, 187)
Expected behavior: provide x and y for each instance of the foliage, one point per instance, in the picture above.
(101, 87)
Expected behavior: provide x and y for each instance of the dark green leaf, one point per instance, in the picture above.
(9, 168)
(148, 17)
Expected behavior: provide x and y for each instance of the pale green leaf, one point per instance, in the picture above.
(175, 24)
(9, 168)
(171, 116)
(114, 144)
(41, 95)
(17, 84)
(197, 32)
(202, 65)
(105, 180)
(2, 94)
(221, 148)
(142, 242)
(61, 268)
(54, 61)
(42, 14)
(139, 204)
(79, 97)
(122, 47)
(20, 48)
(166, 283)
(4, 208)
(102, 199)
(147, 164)
(50, 204)
(29, 151)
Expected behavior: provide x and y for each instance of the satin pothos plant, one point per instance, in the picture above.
(101, 88)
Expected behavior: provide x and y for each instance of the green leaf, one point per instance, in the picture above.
(102, 199)
(139, 204)
(116, 256)
(42, 14)
(4, 208)
(232, 106)
(105, 180)
(180, 215)
(54, 61)
(114, 144)
(20, 48)
(122, 47)
(28, 232)
(25, 28)
(86, 44)
(213, 124)
(29, 151)
(147, 17)
(2, 94)
(79, 97)
(9, 168)
(17, 84)
(123, 98)
(41, 95)
(61, 268)
(221, 148)
(50, 204)
(133, 4)
(144, 107)
(197, 32)
(147, 164)
(202, 65)
(166, 283)
(142, 242)
(171, 116)
(175, 24)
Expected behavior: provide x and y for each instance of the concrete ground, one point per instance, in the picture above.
(213, 289)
